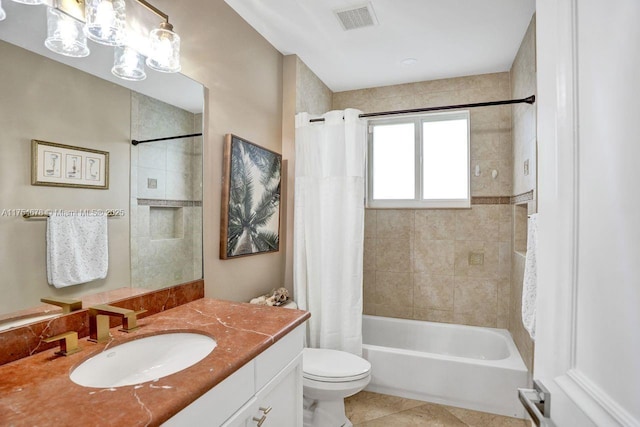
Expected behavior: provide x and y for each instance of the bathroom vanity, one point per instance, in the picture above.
(252, 377)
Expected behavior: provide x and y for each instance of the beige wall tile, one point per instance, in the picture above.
(504, 297)
(435, 224)
(433, 315)
(395, 224)
(524, 117)
(400, 311)
(502, 322)
(482, 318)
(481, 222)
(393, 255)
(370, 227)
(494, 144)
(473, 294)
(435, 257)
(506, 223)
(369, 309)
(435, 292)
(504, 260)
(369, 255)
(490, 266)
(394, 293)
(369, 294)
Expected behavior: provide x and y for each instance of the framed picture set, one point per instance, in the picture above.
(62, 165)
(250, 212)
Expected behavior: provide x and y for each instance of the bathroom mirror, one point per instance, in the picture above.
(155, 240)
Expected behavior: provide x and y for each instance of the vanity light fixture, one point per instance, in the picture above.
(65, 35)
(128, 64)
(105, 21)
(71, 22)
(3, 14)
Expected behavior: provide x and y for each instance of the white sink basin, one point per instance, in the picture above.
(142, 360)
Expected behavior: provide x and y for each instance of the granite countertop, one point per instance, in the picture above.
(37, 391)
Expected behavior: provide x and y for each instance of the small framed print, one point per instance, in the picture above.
(62, 165)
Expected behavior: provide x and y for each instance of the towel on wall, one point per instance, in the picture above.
(77, 249)
(529, 286)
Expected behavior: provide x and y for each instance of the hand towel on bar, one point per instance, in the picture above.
(77, 249)
(530, 283)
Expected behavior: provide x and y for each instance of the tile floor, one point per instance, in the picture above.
(367, 409)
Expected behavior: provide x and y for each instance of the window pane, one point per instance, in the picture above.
(446, 168)
(394, 161)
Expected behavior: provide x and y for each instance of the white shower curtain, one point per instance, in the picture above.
(329, 227)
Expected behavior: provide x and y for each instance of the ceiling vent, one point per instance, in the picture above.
(357, 17)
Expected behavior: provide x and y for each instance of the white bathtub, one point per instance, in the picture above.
(465, 366)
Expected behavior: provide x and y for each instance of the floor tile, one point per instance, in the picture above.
(367, 409)
(366, 406)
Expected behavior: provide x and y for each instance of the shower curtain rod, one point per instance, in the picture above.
(136, 142)
(529, 100)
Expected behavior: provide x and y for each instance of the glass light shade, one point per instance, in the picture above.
(29, 1)
(3, 14)
(164, 50)
(105, 21)
(128, 64)
(64, 35)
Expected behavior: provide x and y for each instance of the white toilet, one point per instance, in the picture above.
(328, 377)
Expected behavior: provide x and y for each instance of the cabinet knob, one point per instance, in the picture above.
(260, 420)
(266, 410)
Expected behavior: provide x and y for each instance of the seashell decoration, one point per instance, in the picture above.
(278, 297)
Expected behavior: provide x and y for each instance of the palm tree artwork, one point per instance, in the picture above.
(253, 207)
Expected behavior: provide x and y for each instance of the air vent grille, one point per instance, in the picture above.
(357, 17)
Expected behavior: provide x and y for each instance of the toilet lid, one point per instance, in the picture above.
(333, 366)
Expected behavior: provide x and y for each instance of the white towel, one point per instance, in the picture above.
(77, 249)
(529, 285)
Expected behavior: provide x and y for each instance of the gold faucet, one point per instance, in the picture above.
(68, 304)
(68, 343)
(99, 321)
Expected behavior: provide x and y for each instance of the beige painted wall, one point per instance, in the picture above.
(42, 99)
(523, 83)
(416, 261)
(243, 74)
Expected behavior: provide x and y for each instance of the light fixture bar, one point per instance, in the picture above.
(154, 9)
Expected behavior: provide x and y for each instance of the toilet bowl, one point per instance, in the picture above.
(328, 377)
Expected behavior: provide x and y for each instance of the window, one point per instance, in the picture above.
(419, 162)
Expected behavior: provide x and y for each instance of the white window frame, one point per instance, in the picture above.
(417, 201)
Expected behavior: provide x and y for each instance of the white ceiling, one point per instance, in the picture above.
(26, 26)
(449, 38)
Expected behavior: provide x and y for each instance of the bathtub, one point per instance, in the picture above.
(464, 366)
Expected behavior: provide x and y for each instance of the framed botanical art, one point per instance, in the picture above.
(62, 165)
(250, 213)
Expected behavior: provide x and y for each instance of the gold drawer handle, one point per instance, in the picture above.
(266, 410)
(260, 420)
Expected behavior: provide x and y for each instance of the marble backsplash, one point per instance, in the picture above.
(28, 340)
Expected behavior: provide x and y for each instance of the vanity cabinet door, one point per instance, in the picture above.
(279, 403)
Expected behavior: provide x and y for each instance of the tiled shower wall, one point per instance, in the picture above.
(417, 262)
(523, 83)
(166, 195)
